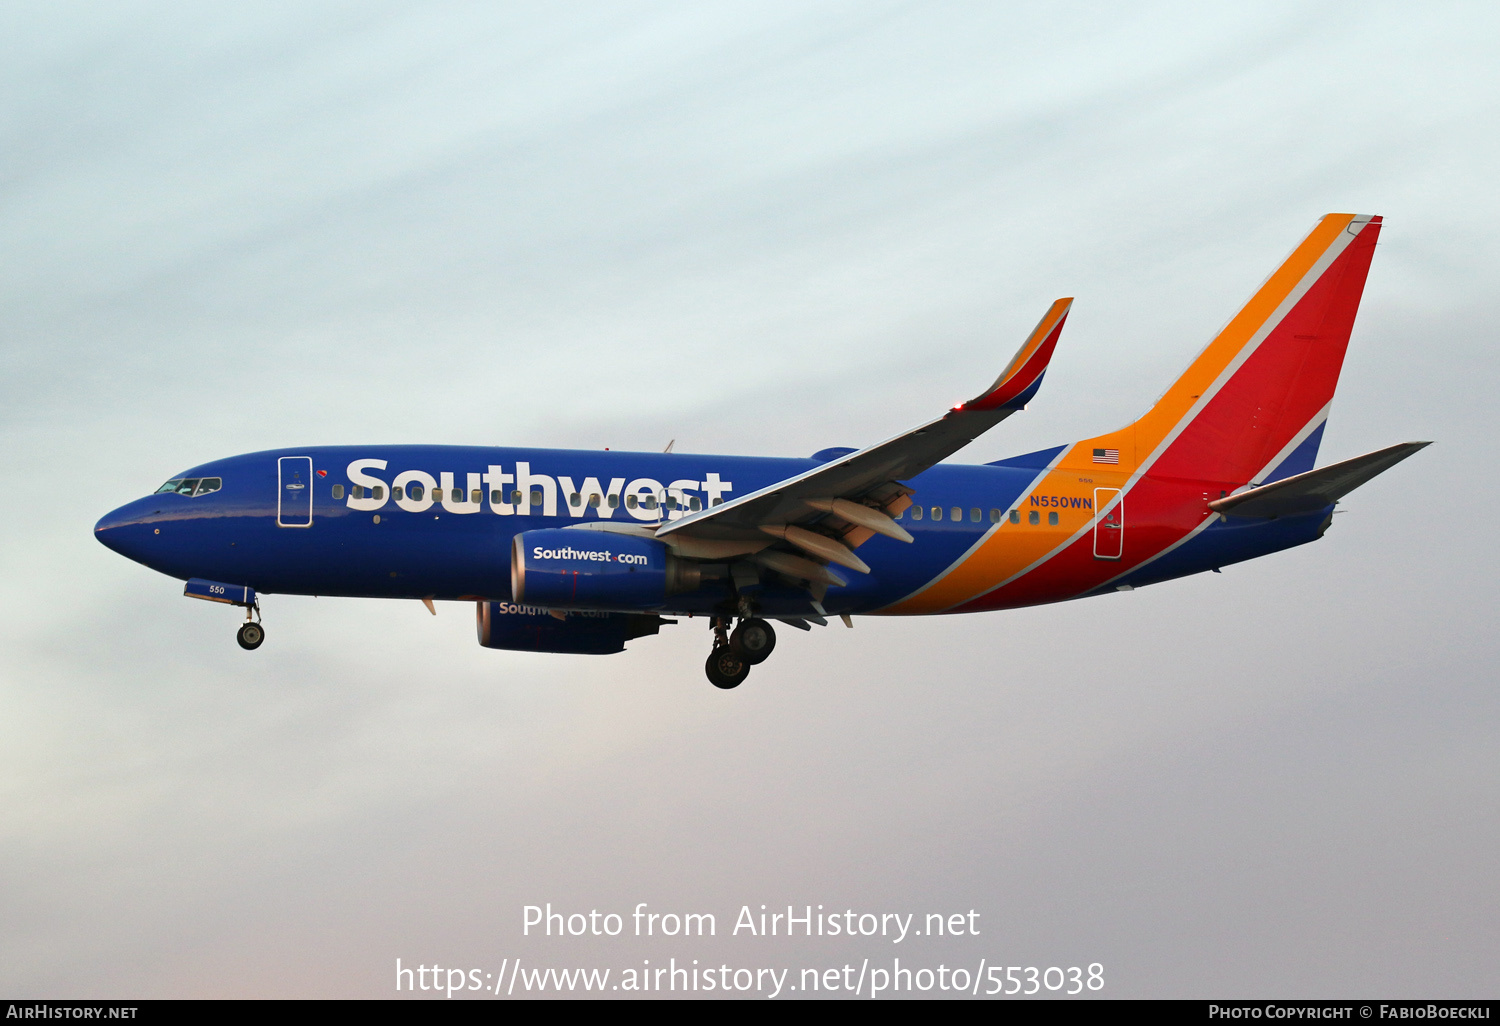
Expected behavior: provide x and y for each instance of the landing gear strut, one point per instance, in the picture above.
(251, 633)
(724, 668)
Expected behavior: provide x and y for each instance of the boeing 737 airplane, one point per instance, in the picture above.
(580, 551)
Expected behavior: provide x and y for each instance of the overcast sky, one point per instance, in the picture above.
(758, 229)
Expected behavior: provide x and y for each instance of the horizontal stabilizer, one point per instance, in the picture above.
(1306, 493)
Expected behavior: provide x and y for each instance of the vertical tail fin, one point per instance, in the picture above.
(1252, 405)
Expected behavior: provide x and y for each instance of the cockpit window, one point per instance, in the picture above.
(191, 486)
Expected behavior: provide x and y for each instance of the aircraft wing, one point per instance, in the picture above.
(828, 511)
(1304, 493)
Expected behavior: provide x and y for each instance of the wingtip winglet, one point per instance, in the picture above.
(1022, 377)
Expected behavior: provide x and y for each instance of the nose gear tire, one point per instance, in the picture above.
(250, 636)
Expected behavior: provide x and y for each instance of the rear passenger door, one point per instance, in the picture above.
(1109, 528)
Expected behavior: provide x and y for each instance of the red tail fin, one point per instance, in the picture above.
(1252, 405)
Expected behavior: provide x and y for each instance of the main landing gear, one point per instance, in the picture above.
(733, 654)
(251, 632)
(725, 669)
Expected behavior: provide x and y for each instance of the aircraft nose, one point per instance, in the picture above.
(120, 529)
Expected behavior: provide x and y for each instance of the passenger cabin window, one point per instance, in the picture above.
(574, 499)
(437, 494)
(614, 502)
(994, 516)
(1052, 519)
(397, 493)
(937, 512)
(955, 514)
(458, 495)
(593, 502)
(536, 498)
(358, 491)
(1015, 516)
(379, 492)
(1033, 518)
(338, 491)
(515, 497)
(631, 502)
(974, 515)
(476, 496)
(495, 496)
(649, 502)
(916, 512)
(696, 504)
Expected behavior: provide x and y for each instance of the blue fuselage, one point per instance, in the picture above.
(449, 533)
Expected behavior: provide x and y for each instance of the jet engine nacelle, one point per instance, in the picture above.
(564, 569)
(531, 629)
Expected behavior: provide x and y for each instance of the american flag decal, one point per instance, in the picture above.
(1107, 456)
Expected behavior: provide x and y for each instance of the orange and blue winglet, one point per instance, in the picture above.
(1014, 388)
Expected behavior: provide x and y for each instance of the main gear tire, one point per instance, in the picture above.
(753, 641)
(725, 669)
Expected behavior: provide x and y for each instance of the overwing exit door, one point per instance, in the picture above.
(1109, 529)
(294, 500)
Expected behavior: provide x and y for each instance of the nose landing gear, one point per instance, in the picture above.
(251, 632)
(733, 654)
(250, 635)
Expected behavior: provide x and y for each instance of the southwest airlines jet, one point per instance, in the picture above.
(577, 551)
